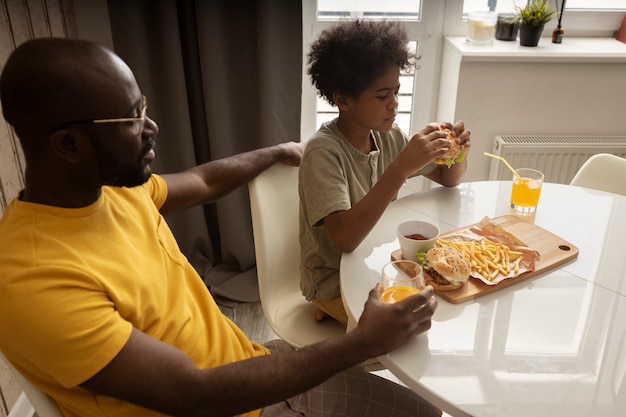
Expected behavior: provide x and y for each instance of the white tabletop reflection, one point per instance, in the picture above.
(553, 345)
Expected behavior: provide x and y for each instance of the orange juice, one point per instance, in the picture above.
(525, 192)
(397, 293)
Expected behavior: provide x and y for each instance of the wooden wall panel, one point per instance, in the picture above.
(21, 20)
(11, 167)
(62, 23)
(7, 164)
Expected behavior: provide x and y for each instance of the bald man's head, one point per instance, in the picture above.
(47, 82)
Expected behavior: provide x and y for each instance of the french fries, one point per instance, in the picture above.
(486, 257)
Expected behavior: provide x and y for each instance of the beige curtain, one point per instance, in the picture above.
(221, 78)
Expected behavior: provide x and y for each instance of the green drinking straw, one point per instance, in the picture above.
(507, 164)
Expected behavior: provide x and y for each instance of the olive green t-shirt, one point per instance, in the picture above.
(333, 177)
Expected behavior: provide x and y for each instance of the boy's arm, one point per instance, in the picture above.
(348, 228)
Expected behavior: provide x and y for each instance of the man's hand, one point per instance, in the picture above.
(386, 327)
(291, 152)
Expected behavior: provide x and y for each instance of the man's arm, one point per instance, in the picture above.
(157, 376)
(215, 179)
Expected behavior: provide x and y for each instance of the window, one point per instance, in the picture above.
(507, 6)
(326, 112)
(369, 9)
(412, 113)
(335, 10)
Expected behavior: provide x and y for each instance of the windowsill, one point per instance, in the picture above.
(571, 50)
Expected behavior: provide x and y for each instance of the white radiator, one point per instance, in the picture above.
(558, 157)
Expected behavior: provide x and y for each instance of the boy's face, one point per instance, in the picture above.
(376, 107)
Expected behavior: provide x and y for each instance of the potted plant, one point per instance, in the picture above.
(531, 19)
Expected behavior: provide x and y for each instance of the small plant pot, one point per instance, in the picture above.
(529, 35)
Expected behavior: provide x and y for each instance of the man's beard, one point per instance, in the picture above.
(120, 174)
(126, 176)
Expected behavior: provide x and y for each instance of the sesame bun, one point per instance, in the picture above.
(451, 271)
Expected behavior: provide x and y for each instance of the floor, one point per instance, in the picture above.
(10, 390)
(249, 317)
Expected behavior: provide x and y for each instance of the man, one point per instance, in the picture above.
(100, 308)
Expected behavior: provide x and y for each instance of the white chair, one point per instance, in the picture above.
(603, 171)
(43, 404)
(274, 205)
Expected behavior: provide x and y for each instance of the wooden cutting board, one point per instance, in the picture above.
(553, 251)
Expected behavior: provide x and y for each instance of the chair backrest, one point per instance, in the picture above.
(274, 205)
(274, 209)
(605, 172)
(43, 404)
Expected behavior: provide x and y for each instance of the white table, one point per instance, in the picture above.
(553, 345)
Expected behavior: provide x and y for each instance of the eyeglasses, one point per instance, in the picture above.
(137, 122)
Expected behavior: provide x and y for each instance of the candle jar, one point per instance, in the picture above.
(481, 27)
(506, 27)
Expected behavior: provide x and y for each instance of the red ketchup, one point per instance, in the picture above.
(416, 236)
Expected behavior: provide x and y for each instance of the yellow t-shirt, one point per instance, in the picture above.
(74, 282)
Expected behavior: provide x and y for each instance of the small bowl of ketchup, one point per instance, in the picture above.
(415, 236)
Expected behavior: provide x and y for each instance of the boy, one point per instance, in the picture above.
(353, 166)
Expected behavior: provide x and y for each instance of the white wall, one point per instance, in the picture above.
(502, 97)
(538, 98)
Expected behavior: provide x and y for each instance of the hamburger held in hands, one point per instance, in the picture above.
(445, 266)
(455, 153)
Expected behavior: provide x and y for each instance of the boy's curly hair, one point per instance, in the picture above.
(348, 57)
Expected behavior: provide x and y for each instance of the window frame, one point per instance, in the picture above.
(428, 35)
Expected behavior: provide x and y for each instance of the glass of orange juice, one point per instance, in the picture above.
(526, 190)
(401, 279)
